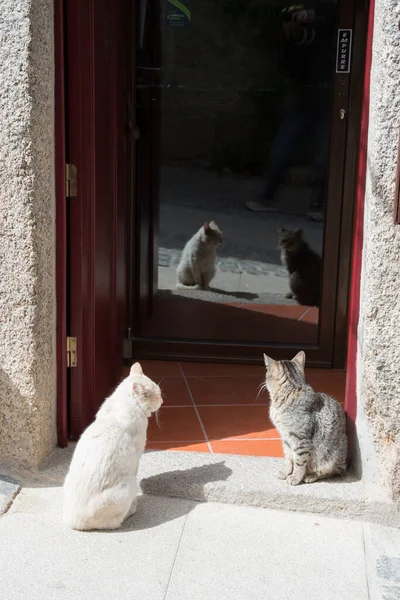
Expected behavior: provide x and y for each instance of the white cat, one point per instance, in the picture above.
(100, 489)
(196, 268)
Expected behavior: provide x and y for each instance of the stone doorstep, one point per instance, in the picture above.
(251, 481)
(9, 488)
(241, 480)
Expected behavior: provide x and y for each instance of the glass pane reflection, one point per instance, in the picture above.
(245, 112)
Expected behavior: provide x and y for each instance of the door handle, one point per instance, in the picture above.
(131, 127)
(342, 113)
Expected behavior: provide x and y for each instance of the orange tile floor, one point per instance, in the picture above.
(214, 407)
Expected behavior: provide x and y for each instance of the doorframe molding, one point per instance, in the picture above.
(350, 182)
(358, 240)
(60, 226)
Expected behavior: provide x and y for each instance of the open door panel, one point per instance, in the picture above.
(99, 50)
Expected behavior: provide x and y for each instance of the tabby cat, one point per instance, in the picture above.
(312, 424)
(303, 264)
(196, 268)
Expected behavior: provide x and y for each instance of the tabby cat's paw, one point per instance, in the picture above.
(293, 480)
(311, 478)
(283, 474)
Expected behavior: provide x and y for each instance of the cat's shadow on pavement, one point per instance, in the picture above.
(154, 510)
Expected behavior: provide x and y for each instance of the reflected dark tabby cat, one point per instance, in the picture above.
(304, 267)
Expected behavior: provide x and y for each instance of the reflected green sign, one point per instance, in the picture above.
(177, 13)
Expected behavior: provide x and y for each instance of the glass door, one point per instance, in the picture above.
(242, 108)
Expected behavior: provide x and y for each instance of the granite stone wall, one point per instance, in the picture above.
(27, 240)
(379, 326)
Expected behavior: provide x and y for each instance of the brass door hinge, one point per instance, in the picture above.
(72, 356)
(71, 187)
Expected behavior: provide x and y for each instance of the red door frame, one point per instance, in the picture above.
(358, 237)
(61, 234)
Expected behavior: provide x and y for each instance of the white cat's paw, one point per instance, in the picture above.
(293, 480)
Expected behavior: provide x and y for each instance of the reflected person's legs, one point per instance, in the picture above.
(321, 139)
(291, 131)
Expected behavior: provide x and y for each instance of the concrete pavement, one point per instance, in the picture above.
(180, 549)
(175, 549)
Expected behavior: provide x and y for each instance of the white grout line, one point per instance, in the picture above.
(223, 376)
(228, 439)
(304, 314)
(176, 556)
(255, 403)
(197, 411)
(179, 442)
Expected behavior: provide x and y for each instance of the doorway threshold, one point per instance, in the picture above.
(251, 481)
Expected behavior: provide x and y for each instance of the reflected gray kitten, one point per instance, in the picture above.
(312, 424)
(196, 268)
(303, 265)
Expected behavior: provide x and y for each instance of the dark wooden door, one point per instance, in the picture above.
(99, 38)
(164, 335)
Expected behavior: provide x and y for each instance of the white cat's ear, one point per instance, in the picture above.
(137, 389)
(214, 227)
(269, 362)
(300, 359)
(136, 369)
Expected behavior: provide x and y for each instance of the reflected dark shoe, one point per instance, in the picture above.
(316, 212)
(261, 206)
(316, 215)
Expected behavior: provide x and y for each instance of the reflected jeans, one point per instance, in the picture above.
(296, 125)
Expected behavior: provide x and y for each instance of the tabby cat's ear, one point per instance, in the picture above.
(269, 362)
(206, 226)
(136, 369)
(300, 359)
(280, 229)
(299, 232)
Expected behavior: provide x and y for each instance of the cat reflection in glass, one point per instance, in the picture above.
(196, 268)
(303, 265)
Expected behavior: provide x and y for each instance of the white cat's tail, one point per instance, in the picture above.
(182, 286)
